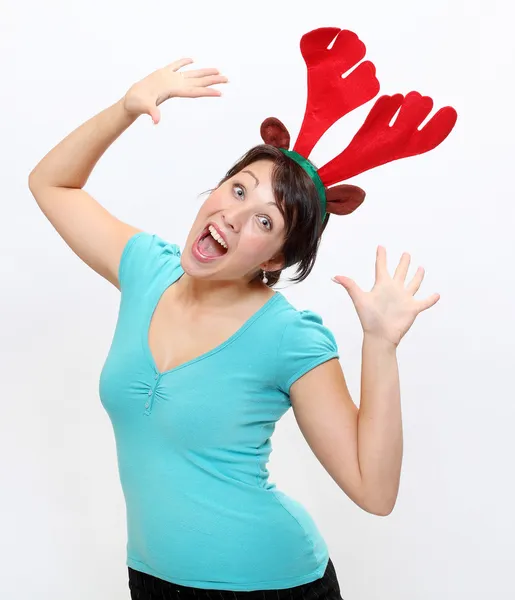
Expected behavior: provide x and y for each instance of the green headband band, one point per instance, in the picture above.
(312, 172)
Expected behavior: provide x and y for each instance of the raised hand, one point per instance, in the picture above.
(168, 82)
(389, 309)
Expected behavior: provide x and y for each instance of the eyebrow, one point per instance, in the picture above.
(251, 173)
(257, 183)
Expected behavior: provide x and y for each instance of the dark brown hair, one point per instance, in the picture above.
(299, 204)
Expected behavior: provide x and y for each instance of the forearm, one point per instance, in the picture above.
(380, 442)
(71, 162)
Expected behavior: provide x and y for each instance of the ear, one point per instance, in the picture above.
(275, 133)
(344, 199)
(274, 264)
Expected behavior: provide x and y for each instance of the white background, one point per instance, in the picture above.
(451, 535)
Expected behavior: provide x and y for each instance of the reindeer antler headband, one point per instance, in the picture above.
(330, 97)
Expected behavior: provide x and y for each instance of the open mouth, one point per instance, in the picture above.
(210, 245)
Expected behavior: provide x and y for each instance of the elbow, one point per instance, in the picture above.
(379, 511)
(384, 512)
(32, 183)
(380, 507)
(36, 184)
(36, 179)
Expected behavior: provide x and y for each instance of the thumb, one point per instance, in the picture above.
(155, 114)
(347, 283)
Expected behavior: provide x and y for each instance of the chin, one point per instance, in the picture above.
(191, 268)
(198, 271)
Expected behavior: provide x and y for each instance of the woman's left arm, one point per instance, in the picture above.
(380, 424)
(362, 449)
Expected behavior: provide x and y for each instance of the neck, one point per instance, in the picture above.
(218, 293)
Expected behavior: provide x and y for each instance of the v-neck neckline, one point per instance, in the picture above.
(146, 333)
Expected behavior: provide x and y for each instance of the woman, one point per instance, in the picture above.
(206, 358)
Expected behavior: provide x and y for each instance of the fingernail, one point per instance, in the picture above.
(334, 279)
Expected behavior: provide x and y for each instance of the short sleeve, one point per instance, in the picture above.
(306, 343)
(144, 256)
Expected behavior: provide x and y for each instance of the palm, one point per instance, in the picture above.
(168, 82)
(389, 309)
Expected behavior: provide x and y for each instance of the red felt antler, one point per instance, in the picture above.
(330, 96)
(377, 143)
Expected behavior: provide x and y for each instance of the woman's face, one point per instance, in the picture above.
(243, 215)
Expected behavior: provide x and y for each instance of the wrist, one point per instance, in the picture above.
(128, 116)
(379, 342)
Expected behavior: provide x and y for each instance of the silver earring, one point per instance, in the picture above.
(265, 278)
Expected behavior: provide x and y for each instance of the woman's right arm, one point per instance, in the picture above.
(95, 235)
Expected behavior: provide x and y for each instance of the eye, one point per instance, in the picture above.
(239, 190)
(267, 222)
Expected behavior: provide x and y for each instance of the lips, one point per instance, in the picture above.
(205, 232)
(219, 231)
(197, 253)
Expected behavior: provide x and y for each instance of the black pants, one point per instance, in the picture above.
(148, 587)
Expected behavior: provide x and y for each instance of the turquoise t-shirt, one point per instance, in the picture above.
(193, 442)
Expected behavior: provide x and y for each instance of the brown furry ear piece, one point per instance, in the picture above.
(344, 199)
(275, 133)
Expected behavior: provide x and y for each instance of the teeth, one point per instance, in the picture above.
(217, 237)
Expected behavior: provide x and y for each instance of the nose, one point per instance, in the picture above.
(231, 220)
